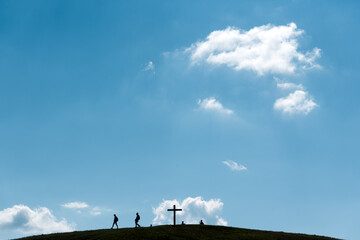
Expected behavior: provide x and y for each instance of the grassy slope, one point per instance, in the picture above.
(188, 232)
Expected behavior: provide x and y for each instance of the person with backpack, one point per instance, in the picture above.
(115, 222)
(137, 220)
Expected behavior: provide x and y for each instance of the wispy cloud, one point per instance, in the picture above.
(150, 67)
(84, 208)
(264, 49)
(95, 211)
(289, 86)
(75, 205)
(21, 218)
(213, 105)
(193, 210)
(234, 165)
(298, 102)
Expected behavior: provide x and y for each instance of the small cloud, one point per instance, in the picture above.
(297, 102)
(21, 218)
(80, 206)
(234, 165)
(193, 210)
(289, 86)
(150, 67)
(310, 59)
(222, 222)
(75, 205)
(96, 211)
(211, 104)
(266, 49)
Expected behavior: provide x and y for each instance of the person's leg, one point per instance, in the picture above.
(117, 226)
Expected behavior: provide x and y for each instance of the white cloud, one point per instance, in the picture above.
(221, 221)
(193, 210)
(93, 210)
(150, 66)
(211, 104)
(96, 211)
(297, 102)
(75, 205)
(21, 218)
(234, 165)
(289, 86)
(264, 49)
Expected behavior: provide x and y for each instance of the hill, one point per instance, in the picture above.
(180, 232)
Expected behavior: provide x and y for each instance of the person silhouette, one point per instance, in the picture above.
(182, 223)
(201, 222)
(137, 220)
(115, 222)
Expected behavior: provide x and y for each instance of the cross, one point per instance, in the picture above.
(174, 210)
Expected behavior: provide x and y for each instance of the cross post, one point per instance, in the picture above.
(174, 211)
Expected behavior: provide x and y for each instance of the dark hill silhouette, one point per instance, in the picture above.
(179, 232)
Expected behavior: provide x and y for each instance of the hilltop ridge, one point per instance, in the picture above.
(179, 232)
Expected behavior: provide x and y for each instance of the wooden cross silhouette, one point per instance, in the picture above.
(174, 210)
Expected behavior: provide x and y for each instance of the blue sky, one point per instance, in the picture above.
(242, 113)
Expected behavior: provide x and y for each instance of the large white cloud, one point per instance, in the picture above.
(23, 219)
(264, 49)
(297, 102)
(193, 210)
(213, 105)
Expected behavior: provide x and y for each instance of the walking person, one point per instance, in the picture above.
(137, 220)
(115, 222)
